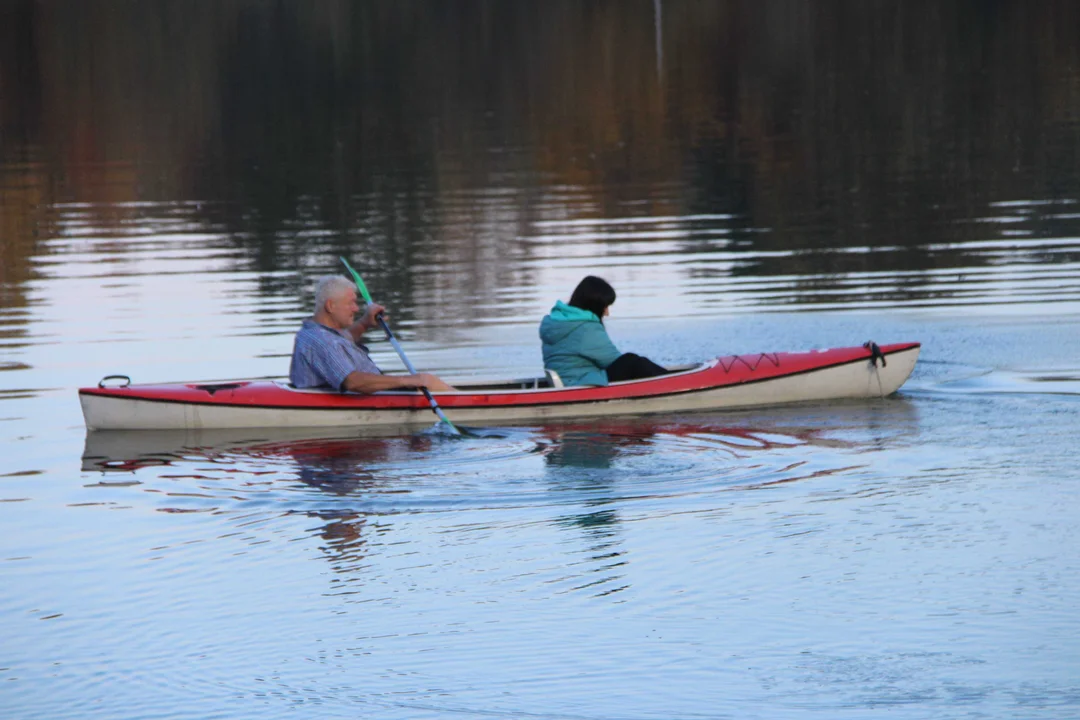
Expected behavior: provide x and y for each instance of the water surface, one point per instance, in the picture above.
(750, 178)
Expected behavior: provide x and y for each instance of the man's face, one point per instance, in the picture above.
(343, 308)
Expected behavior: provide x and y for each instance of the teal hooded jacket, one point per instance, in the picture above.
(576, 345)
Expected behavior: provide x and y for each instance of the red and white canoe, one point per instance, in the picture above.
(734, 381)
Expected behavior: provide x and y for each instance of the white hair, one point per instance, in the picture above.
(330, 286)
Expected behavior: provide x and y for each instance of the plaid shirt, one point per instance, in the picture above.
(324, 357)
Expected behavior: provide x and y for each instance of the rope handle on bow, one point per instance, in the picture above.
(875, 353)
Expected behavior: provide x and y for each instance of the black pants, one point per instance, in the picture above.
(630, 366)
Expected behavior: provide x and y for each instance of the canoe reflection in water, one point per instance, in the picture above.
(336, 459)
(598, 471)
(330, 457)
(246, 465)
(631, 449)
(614, 470)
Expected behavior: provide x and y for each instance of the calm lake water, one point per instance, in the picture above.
(173, 177)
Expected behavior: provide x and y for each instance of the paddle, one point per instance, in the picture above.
(401, 353)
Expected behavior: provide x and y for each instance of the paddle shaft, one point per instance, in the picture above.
(393, 341)
(409, 366)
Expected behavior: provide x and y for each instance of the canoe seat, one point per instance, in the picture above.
(553, 378)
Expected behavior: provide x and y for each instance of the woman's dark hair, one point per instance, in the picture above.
(593, 294)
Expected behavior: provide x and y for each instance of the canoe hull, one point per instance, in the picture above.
(728, 382)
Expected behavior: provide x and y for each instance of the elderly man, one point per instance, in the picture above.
(327, 351)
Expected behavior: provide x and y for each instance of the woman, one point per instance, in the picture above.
(577, 346)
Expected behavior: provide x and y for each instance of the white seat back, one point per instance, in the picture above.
(553, 378)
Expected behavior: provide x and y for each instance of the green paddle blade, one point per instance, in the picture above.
(359, 281)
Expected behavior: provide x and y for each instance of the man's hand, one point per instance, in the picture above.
(367, 321)
(372, 311)
(430, 382)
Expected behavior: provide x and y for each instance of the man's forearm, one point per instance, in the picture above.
(358, 329)
(363, 382)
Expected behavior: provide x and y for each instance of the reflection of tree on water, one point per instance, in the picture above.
(828, 126)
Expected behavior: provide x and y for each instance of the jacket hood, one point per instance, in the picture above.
(563, 320)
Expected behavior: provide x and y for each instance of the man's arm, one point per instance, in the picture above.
(363, 382)
(367, 321)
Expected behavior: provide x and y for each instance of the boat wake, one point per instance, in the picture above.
(1006, 382)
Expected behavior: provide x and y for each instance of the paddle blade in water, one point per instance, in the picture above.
(441, 429)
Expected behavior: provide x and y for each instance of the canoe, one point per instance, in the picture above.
(734, 381)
